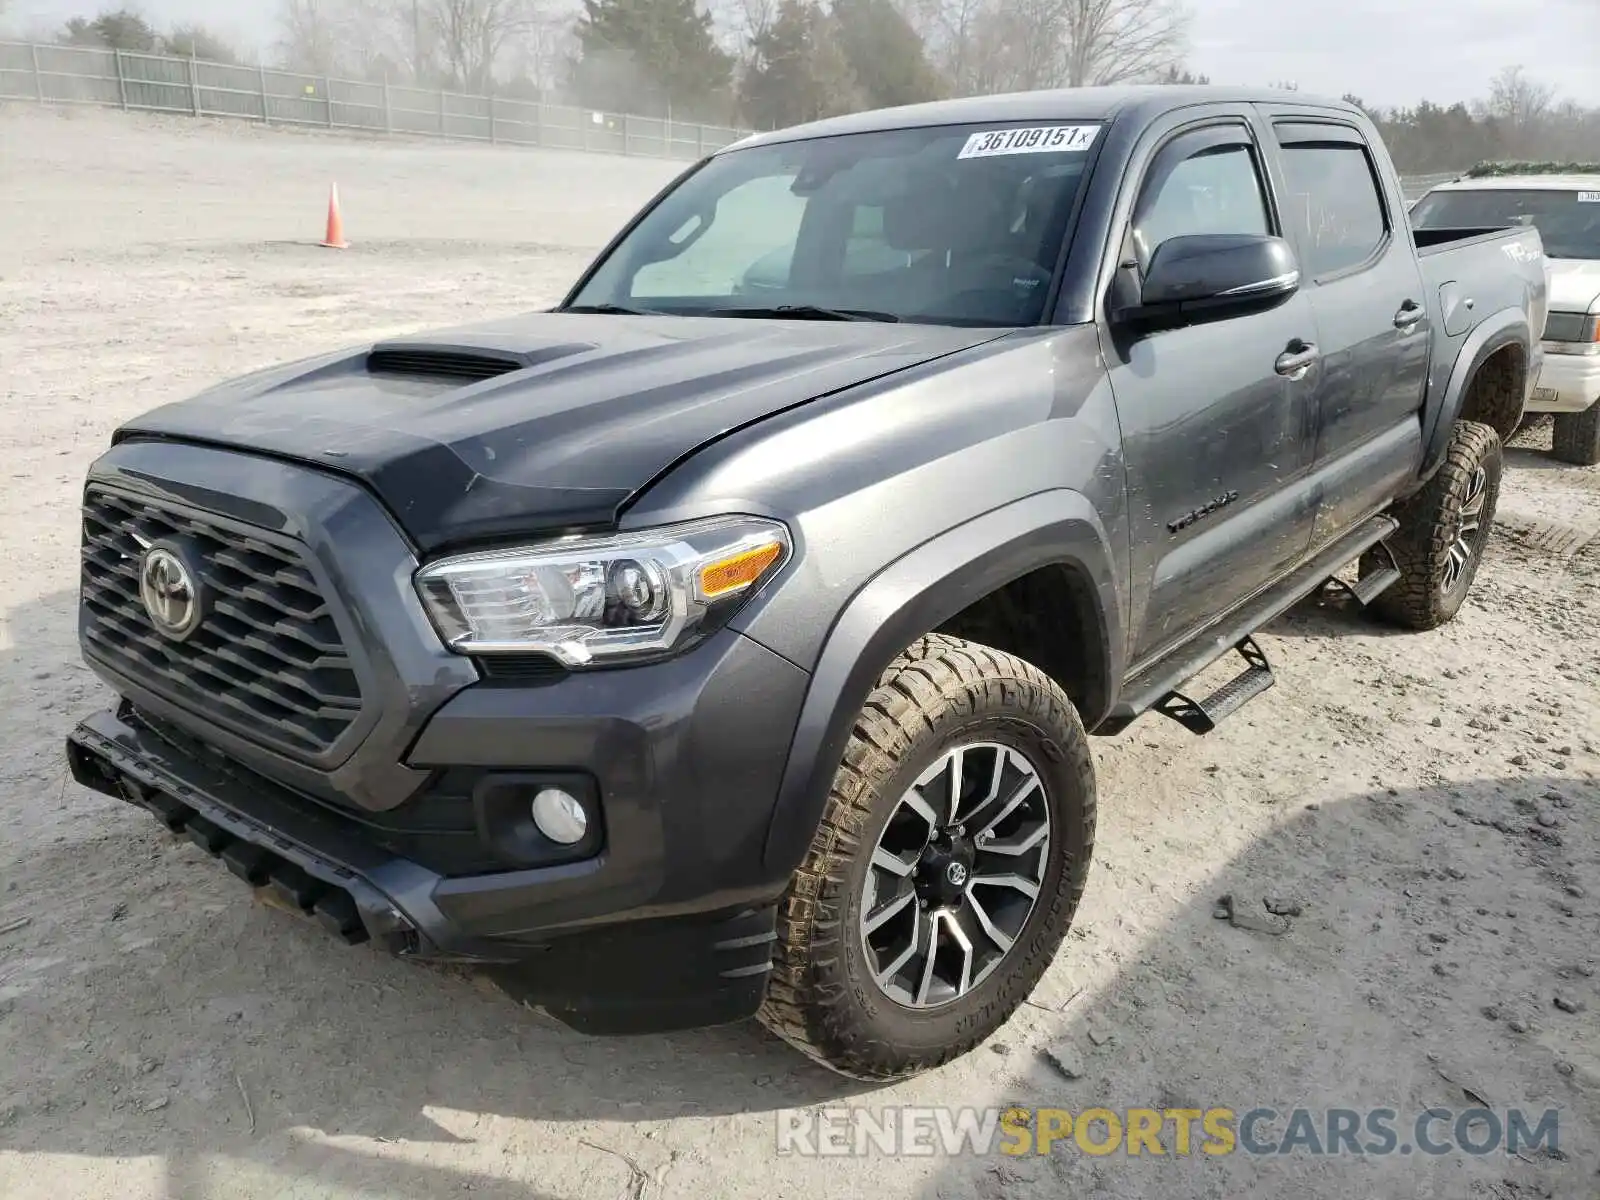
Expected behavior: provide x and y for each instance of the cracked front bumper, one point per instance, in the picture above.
(633, 975)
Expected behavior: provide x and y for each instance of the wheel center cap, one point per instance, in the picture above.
(945, 871)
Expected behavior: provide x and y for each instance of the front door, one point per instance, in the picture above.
(1217, 420)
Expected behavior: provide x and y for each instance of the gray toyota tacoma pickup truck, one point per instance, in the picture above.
(725, 641)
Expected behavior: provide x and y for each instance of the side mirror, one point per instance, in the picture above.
(1208, 276)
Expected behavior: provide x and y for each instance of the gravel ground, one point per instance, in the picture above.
(1427, 804)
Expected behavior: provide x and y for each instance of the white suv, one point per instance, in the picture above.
(1566, 210)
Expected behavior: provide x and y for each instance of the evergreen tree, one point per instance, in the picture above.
(195, 41)
(799, 70)
(123, 29)
(886, 54)
(651, 56)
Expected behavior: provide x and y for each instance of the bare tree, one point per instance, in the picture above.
(314, 35)
(947, 26)
(391, 39)
(999, 45)
(965, 39)
(467, 43)
(1520, 103)
(1122, 41)
(474, 34)
(1020, 46)
(540, 56)
(740, 25)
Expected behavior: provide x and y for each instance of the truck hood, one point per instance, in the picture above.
(1574, 285)
(578, 414)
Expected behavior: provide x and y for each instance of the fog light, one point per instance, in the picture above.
(559, 816)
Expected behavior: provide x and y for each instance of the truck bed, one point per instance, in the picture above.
(1466, 282)
(1432, 241)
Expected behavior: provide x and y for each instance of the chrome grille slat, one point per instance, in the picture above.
(268, 662)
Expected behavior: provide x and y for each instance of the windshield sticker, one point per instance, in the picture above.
(1589, 197)
(1036, 139)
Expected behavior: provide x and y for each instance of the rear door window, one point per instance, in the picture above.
(1332, 204)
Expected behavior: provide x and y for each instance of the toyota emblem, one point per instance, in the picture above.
(170, 593)
(956, 873)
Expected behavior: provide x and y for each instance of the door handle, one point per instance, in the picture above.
(1297, 359)
(1410, 313)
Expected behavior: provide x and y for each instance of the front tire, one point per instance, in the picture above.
(1443, 532)
(951, 856)
(1576, 437)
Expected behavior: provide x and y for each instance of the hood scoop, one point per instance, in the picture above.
(460, 364)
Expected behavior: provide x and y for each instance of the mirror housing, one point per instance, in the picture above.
(1209, 276)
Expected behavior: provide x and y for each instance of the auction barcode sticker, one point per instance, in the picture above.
(1035, 139)
(1589, 197)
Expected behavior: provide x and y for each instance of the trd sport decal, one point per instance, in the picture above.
(1205, 510)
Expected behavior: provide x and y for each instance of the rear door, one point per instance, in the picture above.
(1216, 425)
(1359, 268)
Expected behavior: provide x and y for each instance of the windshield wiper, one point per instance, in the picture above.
(805, 312)
(619, 309)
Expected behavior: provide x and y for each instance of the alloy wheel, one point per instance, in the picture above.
(955, 874)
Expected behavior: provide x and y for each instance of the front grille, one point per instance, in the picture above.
(267, 660)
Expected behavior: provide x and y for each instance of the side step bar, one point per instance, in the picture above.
(1365, 591)
(1152, 686)
(1202, 716)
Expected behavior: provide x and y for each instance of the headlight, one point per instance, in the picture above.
(1572, 333)
(585, 600)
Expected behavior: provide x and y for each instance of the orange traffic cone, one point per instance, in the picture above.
(335, 236)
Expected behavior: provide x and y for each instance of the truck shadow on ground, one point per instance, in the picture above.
(150, 996)
(1430, 929)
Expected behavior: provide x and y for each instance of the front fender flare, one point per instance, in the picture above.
(916, 594)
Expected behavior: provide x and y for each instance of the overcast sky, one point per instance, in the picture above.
(1385, 51)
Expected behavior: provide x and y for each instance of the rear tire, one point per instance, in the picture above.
(1576, 438)
(1497, 394)
(836, 993)
(1443, 532)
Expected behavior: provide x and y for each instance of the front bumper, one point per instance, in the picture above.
(1567, 383)
(395, 832)
(640, 975)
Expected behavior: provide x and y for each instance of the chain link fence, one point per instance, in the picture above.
(159, 83)
(163, 84)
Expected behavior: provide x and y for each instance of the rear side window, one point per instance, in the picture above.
(1332, 204)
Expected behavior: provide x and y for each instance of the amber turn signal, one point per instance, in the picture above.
(737, 571)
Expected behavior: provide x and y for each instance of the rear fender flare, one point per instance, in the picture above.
(916, 594)
(1508, 327)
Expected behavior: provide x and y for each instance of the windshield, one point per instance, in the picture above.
(1568, 221)
(950, 225)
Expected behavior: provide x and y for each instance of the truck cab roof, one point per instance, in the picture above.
(1145, 102)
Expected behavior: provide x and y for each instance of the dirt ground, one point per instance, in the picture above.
(1429, 803)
